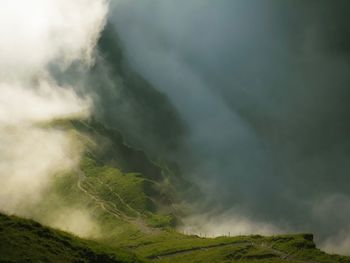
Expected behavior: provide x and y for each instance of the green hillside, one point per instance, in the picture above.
(23, 240)
(135, 205)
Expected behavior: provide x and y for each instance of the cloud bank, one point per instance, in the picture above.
(37, 35)
(263, 87)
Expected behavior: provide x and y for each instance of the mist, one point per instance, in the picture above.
(37, 35)
(262, 87)
(250, 99)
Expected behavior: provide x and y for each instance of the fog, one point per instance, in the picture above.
(35, 35)
(252, 96)
(262, 86)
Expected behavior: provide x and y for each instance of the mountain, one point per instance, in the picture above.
(136, 206)
(127, 195)
(126, 101)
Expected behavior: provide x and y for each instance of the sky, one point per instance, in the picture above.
(263, 89)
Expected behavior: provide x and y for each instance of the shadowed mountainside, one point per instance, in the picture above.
(128, 102)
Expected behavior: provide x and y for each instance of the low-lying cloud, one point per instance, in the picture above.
(37, 35)
(263, 88)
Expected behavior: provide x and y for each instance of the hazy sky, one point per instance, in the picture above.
(263, 86)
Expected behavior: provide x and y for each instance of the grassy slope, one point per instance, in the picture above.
(23, 240)
(136, 212)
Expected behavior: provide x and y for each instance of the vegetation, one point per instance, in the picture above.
(23, 240)
(135, 212)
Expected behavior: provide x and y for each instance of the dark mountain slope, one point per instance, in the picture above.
(128, 102)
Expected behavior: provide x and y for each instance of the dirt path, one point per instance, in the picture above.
(113, 210)
(98, 201)
(120, 198)
(284, 256)
(190, 250)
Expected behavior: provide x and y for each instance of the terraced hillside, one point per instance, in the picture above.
(134, 205)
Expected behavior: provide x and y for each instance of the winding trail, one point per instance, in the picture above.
(98, 201)
(140, 224)
(112, 209)
(119, 197)
(284, 256)
(190, 250)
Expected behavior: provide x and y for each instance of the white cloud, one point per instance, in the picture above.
(230, 223)
(36, 34)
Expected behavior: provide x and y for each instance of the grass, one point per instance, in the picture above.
(24, 240)
(134, 215)
(303, 247)
(113, 185)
